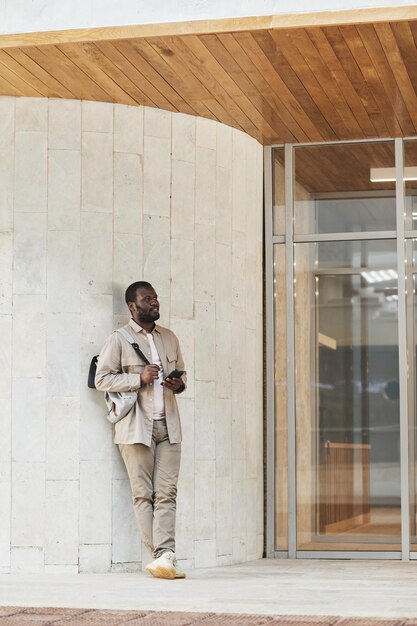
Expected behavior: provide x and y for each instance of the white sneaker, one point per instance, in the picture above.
(178, 573)
(165, 566)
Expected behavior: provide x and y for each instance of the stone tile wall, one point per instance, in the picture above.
(92, 197)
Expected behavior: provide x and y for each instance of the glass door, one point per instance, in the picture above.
(342, 245)
(347, 397)
(411, 254)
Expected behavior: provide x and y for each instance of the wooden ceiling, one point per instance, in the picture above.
(343, 168)
(332, 169)
(276, 80)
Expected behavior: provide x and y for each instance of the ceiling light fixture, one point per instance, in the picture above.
(387, 174)
(379, 276)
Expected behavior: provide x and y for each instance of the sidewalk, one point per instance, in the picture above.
(384, 589)
(91, 617)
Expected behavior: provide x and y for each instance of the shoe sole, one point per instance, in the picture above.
(162, 572)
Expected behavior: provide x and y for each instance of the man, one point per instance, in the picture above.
(149, 436)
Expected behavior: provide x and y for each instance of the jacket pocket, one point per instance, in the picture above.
(172, 359)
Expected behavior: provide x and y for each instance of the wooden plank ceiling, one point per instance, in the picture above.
(300, 84)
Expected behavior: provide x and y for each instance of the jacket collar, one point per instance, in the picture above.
(139, 329)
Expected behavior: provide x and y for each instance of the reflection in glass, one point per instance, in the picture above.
(410, 161)
(354, 254)
(333, 189)
(413, 416)
(281, 423)
(411, 296)
(347, 405)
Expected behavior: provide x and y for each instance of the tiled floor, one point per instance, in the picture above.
(261, 592)
(14, 616)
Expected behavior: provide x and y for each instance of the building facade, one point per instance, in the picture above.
(258, 170)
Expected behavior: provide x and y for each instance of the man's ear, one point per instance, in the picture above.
(131, 306)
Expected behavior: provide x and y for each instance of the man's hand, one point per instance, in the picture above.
(149, 374)
(174, 384)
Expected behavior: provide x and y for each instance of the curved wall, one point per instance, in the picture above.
(92, 197)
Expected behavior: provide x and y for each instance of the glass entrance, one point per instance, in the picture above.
(346, 356)
(410, 160)
(341, 232)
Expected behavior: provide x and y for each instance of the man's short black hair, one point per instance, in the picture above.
(130, 295)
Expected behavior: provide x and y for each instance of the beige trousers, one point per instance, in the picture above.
(153, 474)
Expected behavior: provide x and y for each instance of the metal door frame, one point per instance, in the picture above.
(289, 239)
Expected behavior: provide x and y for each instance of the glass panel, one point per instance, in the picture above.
(347, 396)
(410, 163)
(411, 250)
(350, 254)
(281, 430)
(333, 189)
(278, 191)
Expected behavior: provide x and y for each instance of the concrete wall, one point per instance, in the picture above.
(92, 197)
(22, 16)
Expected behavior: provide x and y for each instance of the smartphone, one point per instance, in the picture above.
(175, 374)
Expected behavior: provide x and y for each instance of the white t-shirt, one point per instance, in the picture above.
(158, 390)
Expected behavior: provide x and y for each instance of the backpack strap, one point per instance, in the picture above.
(134, 345)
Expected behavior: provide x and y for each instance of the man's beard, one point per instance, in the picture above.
(147, 318)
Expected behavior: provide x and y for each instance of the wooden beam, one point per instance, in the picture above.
(199, 27)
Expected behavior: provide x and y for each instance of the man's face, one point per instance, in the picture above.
(146, 306)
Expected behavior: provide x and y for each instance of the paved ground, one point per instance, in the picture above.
(296, 593)
(15, 616)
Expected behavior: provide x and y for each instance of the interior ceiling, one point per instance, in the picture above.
(345, 168)
(298, 84)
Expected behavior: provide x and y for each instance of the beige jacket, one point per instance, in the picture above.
(119, 368)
